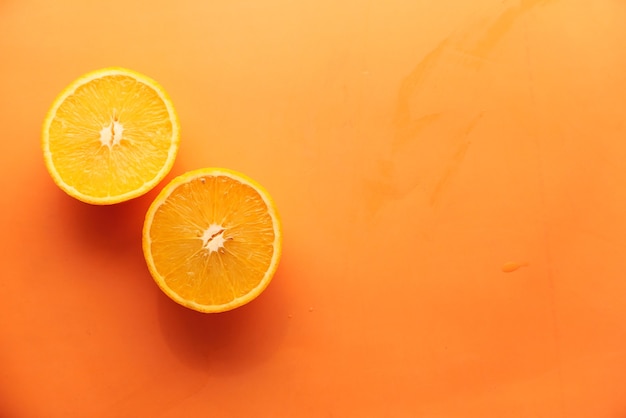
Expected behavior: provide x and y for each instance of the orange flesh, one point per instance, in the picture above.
(181, 251)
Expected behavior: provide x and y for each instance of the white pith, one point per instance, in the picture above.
(112, 134)
(213, 238)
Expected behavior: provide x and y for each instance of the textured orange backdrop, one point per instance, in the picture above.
(415, 149)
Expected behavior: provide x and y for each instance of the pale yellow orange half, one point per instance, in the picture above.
(110, 136)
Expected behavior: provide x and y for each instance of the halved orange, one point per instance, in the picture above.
(110, 136)
(212, 239)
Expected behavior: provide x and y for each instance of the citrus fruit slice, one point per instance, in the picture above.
(110, 136)
(212, 239)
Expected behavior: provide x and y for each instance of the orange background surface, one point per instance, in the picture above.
(414, 148)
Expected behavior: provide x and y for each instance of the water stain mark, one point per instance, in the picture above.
(441, 127)
(455, 161)
(406, 126)
(512, 266)
(410, 128)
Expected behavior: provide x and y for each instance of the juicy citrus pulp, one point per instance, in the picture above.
(212, 239)
(110, 136)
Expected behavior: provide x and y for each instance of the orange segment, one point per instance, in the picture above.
(110, 136)
(212, 239)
